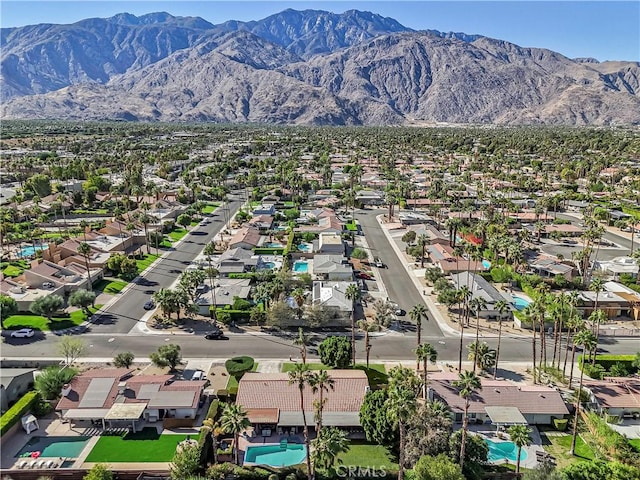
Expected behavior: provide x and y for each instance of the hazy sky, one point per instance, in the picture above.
(606, 30)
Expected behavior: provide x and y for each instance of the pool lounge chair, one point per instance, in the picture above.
(23, 464)
(51, 463)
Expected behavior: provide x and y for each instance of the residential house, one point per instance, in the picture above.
(262, 222)
(330, 243)
(480, 288)
(415, 218)
(52, 277)
(67, 253)
(547, 266)
(613, 304)
(24, 294)
(628, 294)
(247, 238)
(224, 292)
(328, 222)
(14, 382)
(273, 403)
(538, 405)
(265, 209)
(115, 396)
(236, 260)
(619, 396)
(619, 266)
(370, 197)
(332, 267)
(332, 296)
(433, 234)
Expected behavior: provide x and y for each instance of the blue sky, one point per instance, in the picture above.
(606, 30)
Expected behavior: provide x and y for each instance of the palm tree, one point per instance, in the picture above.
(301, 341)
(300, 375)
(587, 340)
(478, 304)
(467, 384)
(483, 357)
(85, 250)
(597, 317)
(501, 307)
(521, 436)
(422, 242)
(298, 296)
(212, 273)
(329, 443)
(368, 327)
(425, 352)
(597, 285)
(234, 420)
(321, 382)
(417, 314)
(353, 293)
(464, 294)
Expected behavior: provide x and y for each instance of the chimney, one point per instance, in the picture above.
(66, 390)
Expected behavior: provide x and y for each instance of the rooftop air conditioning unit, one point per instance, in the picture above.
(66, 390)
(122, 387)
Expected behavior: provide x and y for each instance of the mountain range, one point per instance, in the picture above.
(301, 67)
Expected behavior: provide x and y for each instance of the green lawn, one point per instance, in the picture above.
(145, 261)
(37, 322)
(177, 233)
(194, 223)
(367, 455)
(15, 268)
(635, 443)
(145, 446)
(209, 208)
(113, 287)
(560, 446)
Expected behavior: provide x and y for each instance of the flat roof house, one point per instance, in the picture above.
(480, 288)
(615, 395)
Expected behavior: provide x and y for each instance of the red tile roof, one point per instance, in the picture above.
(614, 393)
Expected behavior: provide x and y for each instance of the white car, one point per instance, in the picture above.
(23, 333)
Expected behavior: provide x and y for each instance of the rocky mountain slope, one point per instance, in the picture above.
(306, 67)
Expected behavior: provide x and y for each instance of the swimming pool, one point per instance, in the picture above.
(520, 303)
(29, 251)
(499, 451)
(268, 265)
(300, 267)
(67, 447)
(272, 245)
(305, 247)
(486, 264)
(283, 455)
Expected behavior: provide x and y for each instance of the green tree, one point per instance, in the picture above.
(70, 348)
(425, 353)
(437, 468)
(428, 431)
(99, 471)
(46, 306)
(184, 220)
(377, 426)
(417, 314)
(409, 237)
(359, 253)
(467, 384)
(587, 340)
(501, 307)
(167, 356)
(212, 273)
(85, 250)
(483, 357)
(190, 281)
(82, 298)
(123, 359)
(329, 443)
(320, 382)
(50, 381)
(234, 420)
(352, 293)
(185, 462)
(521, 436)
(8, 307)
(335, 352)
(300, 376)
(476, 453)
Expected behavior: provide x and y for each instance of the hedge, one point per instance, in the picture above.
(607, 361)
(15, 413)
(269, 251)
(560, 424)
(238, 366)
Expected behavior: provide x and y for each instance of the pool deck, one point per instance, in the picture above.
(487, 432)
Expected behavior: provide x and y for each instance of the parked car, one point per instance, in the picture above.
(364, 276)
(23, 333)
(149, 305)
(215, 335)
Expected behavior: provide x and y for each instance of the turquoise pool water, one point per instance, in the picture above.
(276, 455)
(69, 447)
(300, 267)
(268, 265)
(305, 247)
(499, 451)
(486, 264)
(272, 245)
(28, 251)
(520, 303)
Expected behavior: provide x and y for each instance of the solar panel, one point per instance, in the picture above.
(148, 391)
(97, 393)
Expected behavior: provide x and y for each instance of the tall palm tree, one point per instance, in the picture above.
(85, 250)
(464, 294)
(501, 307)
(321, 382)
(521, 436)
(417, 314)
(422, 242)
(301, 341)
(300, 375)
(597, 317)
(298, 296)
(234, 420)
(352, 293)
(478, 304)
(368, 327)
(483, 357)
(587, 340)
(212, 273)
(467, 384)
(425, 353)
(596, 285)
